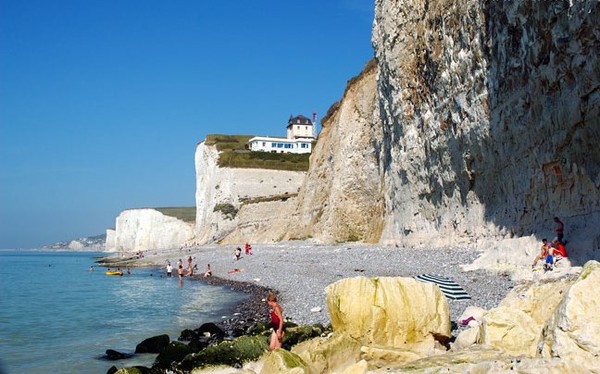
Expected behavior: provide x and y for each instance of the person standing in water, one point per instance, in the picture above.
(276, 315)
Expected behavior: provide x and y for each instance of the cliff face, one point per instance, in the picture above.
(341, 198)
(220, 192)
(490, 116)
(143, 229)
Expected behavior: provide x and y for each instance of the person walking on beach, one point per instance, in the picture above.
(559, 229)
(276, 315)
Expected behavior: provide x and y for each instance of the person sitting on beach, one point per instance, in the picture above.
(276, 315)
(558, 250)
(248, 248)
(543, 252)
(208, 272)
(237, 253)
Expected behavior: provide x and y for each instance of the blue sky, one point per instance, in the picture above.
(102, 102)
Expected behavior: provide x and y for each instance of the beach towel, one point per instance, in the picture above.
(449, 288)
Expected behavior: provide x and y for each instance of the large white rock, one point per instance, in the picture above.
(573, 332)
(143, 229)
(389, 312)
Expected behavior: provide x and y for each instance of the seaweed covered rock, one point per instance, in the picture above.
(174, 352)
(233, 353)
(155, 344)
(298, 334)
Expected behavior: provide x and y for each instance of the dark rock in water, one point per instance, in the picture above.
(112, 370)
(174, 352)
(210, 329)
(112, 355)
(188, 335)
(155, 344)
(233, 353)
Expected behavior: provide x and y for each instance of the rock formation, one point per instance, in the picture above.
(219, 195)
(491, 116)
(341, 198)
(142, 229)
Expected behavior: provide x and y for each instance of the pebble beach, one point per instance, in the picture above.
(300, 271)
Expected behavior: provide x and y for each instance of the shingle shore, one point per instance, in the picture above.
(300, 271)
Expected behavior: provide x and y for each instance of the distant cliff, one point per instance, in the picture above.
(143, 229)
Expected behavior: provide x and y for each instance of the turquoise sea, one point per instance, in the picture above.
(58, 317)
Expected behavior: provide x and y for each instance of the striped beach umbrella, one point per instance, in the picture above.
(449, 288)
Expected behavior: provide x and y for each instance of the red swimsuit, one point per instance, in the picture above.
(274, 319)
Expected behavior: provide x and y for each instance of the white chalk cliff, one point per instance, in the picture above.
(228, 187)
(143, 229)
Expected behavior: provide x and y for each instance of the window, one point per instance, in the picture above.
(297, 127)
(264, 144)
(273, 145)
(279, 145)
(288, 146)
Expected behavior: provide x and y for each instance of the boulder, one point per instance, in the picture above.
(573, 330)
(510, 330)
(538, 300)
(210, 330)
(113, 355)
(233, 353)
(333, 353)
(284, 362)
(298, 334)
(467, 338)
(174, 352)
(391, 312)
(155, 344)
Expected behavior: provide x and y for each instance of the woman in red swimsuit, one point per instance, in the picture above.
(276, 321)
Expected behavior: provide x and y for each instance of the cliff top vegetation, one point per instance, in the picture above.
(185, 213)
(234, 153)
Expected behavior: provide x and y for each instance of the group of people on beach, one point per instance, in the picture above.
(180, 271)
(552, 252)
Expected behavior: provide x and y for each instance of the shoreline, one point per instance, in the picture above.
(299, 272)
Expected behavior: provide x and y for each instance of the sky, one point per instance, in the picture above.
(102, 102)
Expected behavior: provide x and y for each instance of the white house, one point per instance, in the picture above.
(280, 145)
(300, 135)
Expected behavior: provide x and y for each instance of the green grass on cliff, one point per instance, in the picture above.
(186, 214)
(235, 154)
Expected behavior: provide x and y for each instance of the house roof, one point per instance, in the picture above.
(299, 120)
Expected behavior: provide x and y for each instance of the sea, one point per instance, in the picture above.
(57, 316)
